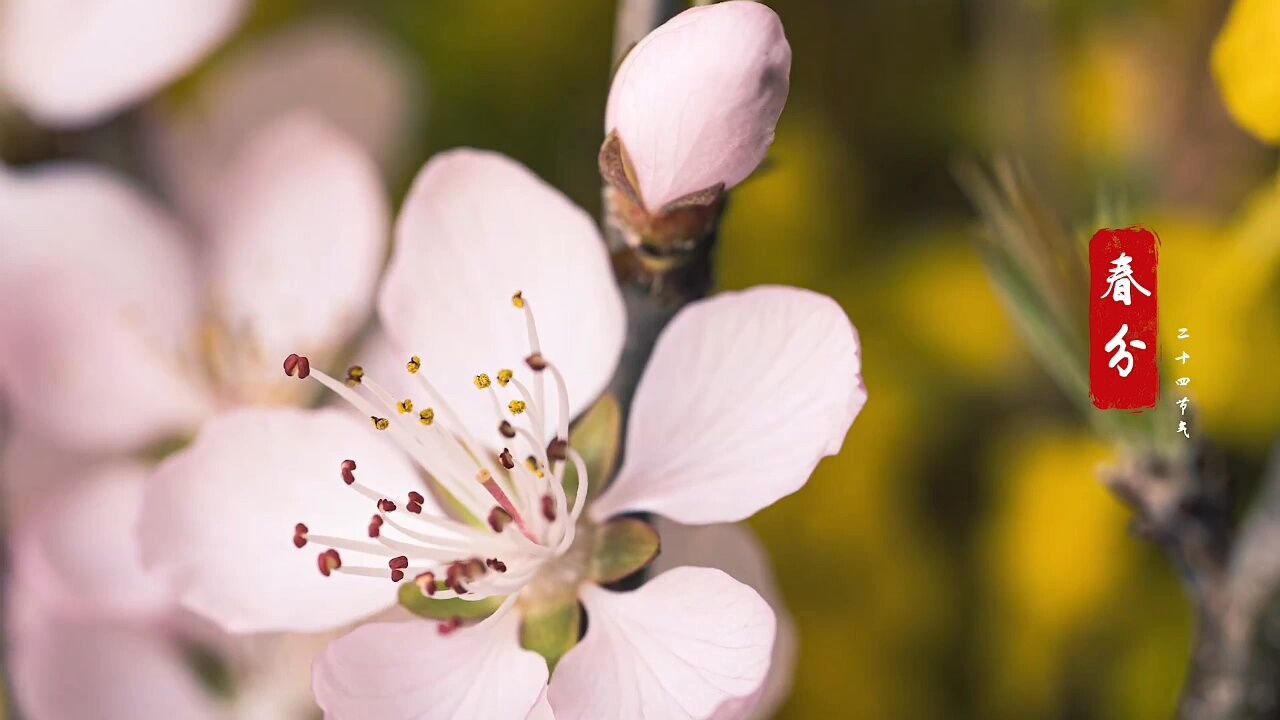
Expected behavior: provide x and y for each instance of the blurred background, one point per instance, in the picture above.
(959, 558)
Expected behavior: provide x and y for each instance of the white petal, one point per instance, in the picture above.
(745, 393)
(678, 647)
(116, 338)
(84, 670)
(81, 554)
(219, 518)
(72, 62)
(736, 550)
(475, 228)
(301, 238)
(408, 670)
(696, 101)
(541, 709)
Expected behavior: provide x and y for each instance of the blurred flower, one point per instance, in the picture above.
(696, 101)
(127, 351)
(1244, 62)
(334, 68)
(73, 62)
(727, 419)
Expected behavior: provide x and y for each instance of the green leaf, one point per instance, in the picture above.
(596, 436)
(622, 548)
(412, 599)
(552, 630)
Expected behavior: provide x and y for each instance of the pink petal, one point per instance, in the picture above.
(541, 709)
(81, 553)
(219, 517)
(408, 670)
(73, 62)
(678, 647)
(103, 671)
(117, 338)
(696, 101)
(745, 393)
(475, 228)
(299, 245)
(736, 550)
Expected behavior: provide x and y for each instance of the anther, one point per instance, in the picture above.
(426, 582)
(427, 416)
(536, 362)
(398, 562)
(499, 519)
(531, 462)
(355, 374)
(375, 526)
(299, 535)
(397, 575)
(482, 381)
(405, 406)
(380, 423)
(386, 505)
(415, 502)
(558, 449)
(414, 365)
(518, 299)
(506, 430)
(449, 626)
(348, 471)
(549, 508)
(508, 462)
(516, 407)
(504, 377)
(297, 364)
(328, 561)
(496, 564)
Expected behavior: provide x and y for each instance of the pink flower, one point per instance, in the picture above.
(123, 332)
(73, 62)
(696, 101)
(744, 395)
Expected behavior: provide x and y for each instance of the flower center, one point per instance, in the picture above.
(520, 519)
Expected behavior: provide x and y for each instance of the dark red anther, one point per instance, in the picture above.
(304, 367)
(498, 519)
(348, 471)
(299, 535)
(415, 496)
(291, 364)
(386, 505)
(413, 507)
(449, 626)
(375, 526)
(536, 362)
(508, 462)
(398, 562)
(328, 561)
(507, 431)
(496, 564)
(397, 575)
(426, 582)
(558, 449)
(549, 508)
(474, 568)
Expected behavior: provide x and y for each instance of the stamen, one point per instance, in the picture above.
(536, 362)
(414, 365)
(482, 381)
(375, 526)
(557, 449)
(355, 374)
(328, 561)
(549, 508)
(516, 406)
(405, 406)
(449, 626)
(506, 429)
(496, 564)
(518, 299)
(426, 582)
(504, 377)
(386, 505)
(415, 502)
(299, 535)
(427, 416)
(499, 519)
(505, 458)
(379, 422)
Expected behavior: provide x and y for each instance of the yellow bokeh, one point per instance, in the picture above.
(1245, 61)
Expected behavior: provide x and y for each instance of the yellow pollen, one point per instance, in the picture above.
(380, 423)
(483, 476)
(414, 364)
(504, 377)
(482, 381)
(355, 374)
(405, 406)
(516, 407)
(532, 463)
(518, 299)
(426, 417)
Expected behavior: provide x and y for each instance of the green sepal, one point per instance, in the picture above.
(622, 548)
(596, 436)
(552, 630)
(412, 599)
